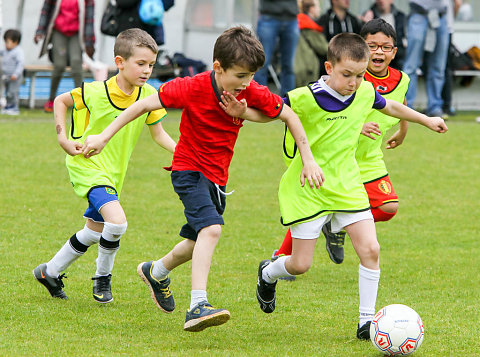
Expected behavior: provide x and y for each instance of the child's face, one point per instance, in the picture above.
(382, 52)
(136, 70)
(10, 45)
(233, 80)
(346, 75)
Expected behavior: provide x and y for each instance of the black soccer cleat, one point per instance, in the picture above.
(53, 285)
(335, 242)
(204, 315)
(265, 291)
(363, 333)
(102, 289)
(159, 289)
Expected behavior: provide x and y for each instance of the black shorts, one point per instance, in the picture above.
(204, 201)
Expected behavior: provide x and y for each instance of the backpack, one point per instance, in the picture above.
(151, 12)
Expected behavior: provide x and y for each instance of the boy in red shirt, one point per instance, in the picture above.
(202, 157)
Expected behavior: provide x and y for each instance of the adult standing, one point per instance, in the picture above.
(427, 30)
(68, 25)
(338, 19)
(277, 23)
(386, 10)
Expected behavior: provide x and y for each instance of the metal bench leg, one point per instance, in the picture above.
(31, 98)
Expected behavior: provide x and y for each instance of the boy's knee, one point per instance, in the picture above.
(297, 267)
(212, 232)
(115, 229)
(373, 250)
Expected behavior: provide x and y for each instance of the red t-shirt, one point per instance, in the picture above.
(207, 133)
(67, 20)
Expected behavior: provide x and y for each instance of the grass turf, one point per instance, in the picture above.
(429, 256)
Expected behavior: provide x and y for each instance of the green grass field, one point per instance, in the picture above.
(429, 253)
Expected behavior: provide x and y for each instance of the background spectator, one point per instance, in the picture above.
(13, 64)
(337, 19)
(427, 30)
(385, 9)
(312, 45)
(277, 24)
(68, 26)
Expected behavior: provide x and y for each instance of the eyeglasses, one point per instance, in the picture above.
(385, 48)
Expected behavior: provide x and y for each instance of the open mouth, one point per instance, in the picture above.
(378, 60)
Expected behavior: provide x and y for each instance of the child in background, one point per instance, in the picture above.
(13, 63)
(100, 179)
(333, 112)
(391, 84)
(202, 158)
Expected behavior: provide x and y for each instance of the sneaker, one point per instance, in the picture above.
(275, 257)
(48, 106)
(159, 289)
(265, 291)
(363, 333)
(334, 244)
(204, 315)
(102, 289)
(54, 285)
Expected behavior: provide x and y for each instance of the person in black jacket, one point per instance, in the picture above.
(338, 19)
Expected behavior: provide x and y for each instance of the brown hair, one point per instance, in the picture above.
(127, 40)
(306, 5)
(347, 46)
(239, 46)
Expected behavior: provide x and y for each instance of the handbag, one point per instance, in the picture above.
(109, 24)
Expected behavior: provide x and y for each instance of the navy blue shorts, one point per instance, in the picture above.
(97, 198)
(204, 201)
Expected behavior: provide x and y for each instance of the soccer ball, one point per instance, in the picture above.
(397, 330)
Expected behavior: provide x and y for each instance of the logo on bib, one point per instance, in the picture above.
(110, 191)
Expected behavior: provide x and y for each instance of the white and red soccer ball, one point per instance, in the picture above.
(397, 330)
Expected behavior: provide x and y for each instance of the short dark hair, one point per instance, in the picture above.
(127, 40)
(306, 5)
(347, 45)
(378, 25)
(239, 46)
(13, 35)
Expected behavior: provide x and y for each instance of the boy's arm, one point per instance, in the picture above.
(401, 111)
(94, 144)
(60, 106)
(311, 171)
(161, 137)
(397, 138)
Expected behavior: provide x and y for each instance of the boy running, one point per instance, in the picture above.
(391, 84)
(100, 179)
(202, 158)
(333, 111)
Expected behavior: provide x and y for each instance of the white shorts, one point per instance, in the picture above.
(312, 229)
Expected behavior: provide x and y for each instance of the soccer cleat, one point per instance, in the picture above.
(54, 285)
(335, 242)
(48, 106)
(363, 333)
(275, 257)
(265, 291)
(203, 315)
(102, 289)
(159, 289)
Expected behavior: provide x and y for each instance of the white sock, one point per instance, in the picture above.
(74, 248)
(196, 297)
(159, 271)
(367, 288)
(108, 247)
(275, 270)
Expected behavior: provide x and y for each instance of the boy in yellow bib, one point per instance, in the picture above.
(333, 112)
(100, 179)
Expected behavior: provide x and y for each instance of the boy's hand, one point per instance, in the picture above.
(396, 139)
(313, 173)
(232, 106)
(72, 148)
(436, 124)
(371, 128)
(93, 145)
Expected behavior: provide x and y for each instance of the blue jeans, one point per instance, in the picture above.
(270, 30)
(416, 32)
